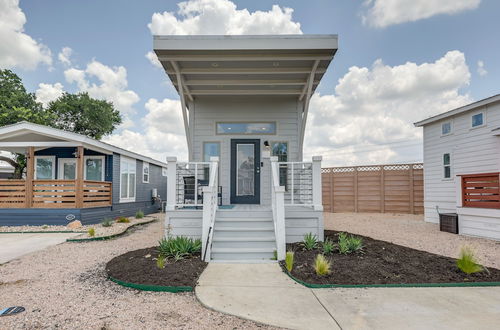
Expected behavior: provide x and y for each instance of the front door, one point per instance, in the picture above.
(67, 169)
(245, 171)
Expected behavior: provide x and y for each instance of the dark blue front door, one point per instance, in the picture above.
(245, 171)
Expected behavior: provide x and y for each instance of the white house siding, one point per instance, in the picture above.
(207, 111)
(472, 150)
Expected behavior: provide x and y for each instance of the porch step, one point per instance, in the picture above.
(244, 223)
(267, 241)
(236, 254)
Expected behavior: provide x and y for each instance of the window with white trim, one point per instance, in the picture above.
(446, 128)
(94, 168)
(127, 179)
(477, 120)
(446, 166)
(145, 172)
(45, 167)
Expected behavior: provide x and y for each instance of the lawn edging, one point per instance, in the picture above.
(156, 288)
(391, 285)
(43, 232)
(102, 238)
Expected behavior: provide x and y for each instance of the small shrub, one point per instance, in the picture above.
(139, 214)
(275, 255)
(321, 265)
(179, 247)
(160, 262)
(467, 261)
(328, 246)
(107, 222)
(91, 232)
(122, 220)
(45, 227)
(310, 241)
(289, 260)
(349, 243)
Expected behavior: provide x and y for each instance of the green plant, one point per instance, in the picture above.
(45, 226)
(178, 247)
(310, 241)
(321, 265)
(91, 232)
(107, 222)
(467, 261)
(122, 220)
(275, 255)
(289, 260)
(160, 262)
(139, 214)
(349, 243)
(328, 246)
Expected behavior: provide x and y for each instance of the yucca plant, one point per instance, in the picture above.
(107, 222)
(321, 265)
(91, 232)
(139, 214)
(310, 241)
(467, 261)
(289, 260)
(349, 243)
(160, 262)
(328, 246)
(178, 247)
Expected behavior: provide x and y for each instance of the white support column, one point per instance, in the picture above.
(316, 183)
(171, 182)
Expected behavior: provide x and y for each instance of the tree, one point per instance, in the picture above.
(77, 113)
(82, 114)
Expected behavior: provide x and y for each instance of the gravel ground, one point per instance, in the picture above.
(412, 231)
(65, 286)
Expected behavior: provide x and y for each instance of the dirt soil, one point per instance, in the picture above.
(139, 266)
(381, 262)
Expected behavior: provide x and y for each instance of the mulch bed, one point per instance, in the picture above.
(381, 262)
(139, 267)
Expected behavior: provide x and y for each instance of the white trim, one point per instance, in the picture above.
(450, 165)
(133, 162)
(53, 158)
(451, 128)
(103, 158)
(87, 142)
(144, 166)
(475, 114)
(60, 168)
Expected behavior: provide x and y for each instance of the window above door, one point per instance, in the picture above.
(246, 128)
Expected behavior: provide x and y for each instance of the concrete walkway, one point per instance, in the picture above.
(13, 246)
(262, 293)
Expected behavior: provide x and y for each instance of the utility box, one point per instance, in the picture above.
(448, 222)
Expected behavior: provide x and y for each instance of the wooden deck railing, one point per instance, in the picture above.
(55, 194)
(481, 190)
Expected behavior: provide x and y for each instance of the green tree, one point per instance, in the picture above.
(77, 113)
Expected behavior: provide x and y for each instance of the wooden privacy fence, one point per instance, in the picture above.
(375, 188)
(481, 190)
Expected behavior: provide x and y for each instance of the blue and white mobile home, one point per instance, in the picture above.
(71, 176)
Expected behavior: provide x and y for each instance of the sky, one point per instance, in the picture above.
(398, 62)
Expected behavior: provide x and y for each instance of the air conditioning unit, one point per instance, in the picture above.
(154, 193)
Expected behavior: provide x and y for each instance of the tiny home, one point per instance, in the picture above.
(245, 188)
(70, 176)
(462, 167)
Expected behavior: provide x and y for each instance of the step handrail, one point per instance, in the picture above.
(278, 208)
(210, 206)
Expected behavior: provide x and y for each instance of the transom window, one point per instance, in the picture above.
(145, 172)
(478, 120)
(446, 128)
(127, 179)
(446, 166)
(246, 128)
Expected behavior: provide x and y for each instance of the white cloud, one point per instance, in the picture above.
(104, 82)
(65, 56)
(480, 69)
(151, 56)
(373, 107)
(163, 132)
(223, 17)
(17, 49)
(48, 92)
(382, 13)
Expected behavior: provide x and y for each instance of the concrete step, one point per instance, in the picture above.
(243, 253)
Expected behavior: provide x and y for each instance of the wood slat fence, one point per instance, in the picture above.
(481, 190)
(397, 188)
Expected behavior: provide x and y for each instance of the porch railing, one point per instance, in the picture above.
(481, 190)
(210, 206)
(191, 177)
(55, 194)
(278, 208)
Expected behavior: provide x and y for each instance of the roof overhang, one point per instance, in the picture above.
(17, 137)
(245, 65)
(465, 108)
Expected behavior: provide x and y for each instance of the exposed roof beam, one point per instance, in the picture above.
(246, 92)
(251, 58)
(246, 70)
(311, 77)
(244, 82)
(184, 89)
(183, 106)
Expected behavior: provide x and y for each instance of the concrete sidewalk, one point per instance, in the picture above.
(13, 246)
(262, 293)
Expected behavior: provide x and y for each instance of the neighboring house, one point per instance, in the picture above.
(6, 171)
(245, 101)
(71, 176)
(462, 165)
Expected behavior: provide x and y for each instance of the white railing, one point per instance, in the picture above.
(278, 208)
(185, 182)
(302, 182)
(210, 206)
